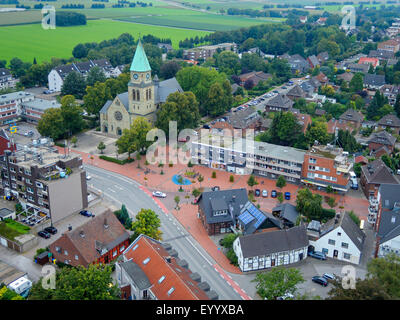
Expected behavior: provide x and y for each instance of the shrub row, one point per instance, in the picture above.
(121, 162)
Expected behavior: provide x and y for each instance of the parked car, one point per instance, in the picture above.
(159, 194)
(265, 193)
(257, 192)
(320, 280)
(44, 234)
(287, 195)
(206, 126)
(86, 213)
(88, 177)
(318, 255)
(274, 194)
(286, 296)
(51, 230)
(215, 188)
(329, 276)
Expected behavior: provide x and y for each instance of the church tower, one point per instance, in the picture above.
(141, 91)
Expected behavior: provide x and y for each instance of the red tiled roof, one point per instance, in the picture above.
(361, 159)
(176, 276)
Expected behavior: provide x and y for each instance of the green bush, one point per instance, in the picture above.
(190, 164)
(121, 162)
(213, 175)
(231, 178)
(231, 255)
(354, 217)
(196, 192)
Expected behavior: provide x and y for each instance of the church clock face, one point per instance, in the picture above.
(118, 116)
(135, 76)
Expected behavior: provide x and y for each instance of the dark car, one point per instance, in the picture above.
(86, 213)
(51, 230)
(317, 255)
(287, 195)
(320, 280)
(274, 194)
(44, 234)
(215, 188)
(257, 192)
(206, 126)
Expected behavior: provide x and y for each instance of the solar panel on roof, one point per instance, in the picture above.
(257, 214)
(246, 217)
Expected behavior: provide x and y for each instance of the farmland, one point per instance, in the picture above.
(31, 41)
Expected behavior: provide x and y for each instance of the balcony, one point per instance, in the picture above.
(276, 164)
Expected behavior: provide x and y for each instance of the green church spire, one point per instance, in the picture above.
(140, 62)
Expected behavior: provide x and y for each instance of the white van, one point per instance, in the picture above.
(352, 175)
(21, 286)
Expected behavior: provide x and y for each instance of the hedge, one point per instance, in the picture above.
(121, 162)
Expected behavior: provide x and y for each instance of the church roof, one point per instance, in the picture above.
(165, 88)
(140, 62)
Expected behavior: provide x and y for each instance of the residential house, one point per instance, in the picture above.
(321, 21)
(369, 124)
(327, 166)
(151, 270)
(381, 54)
(223, 128)
(373, 175)
(44, 181)
(388, 220)
(311, 86)
(321, 78)
(374, 81)
(296, 92)
(390, 45)
(347, 76)
(313, 61)
(204, 52)
(390, 121)
(255, 77)
(6, 143)
(271, 249)
(390, 91)
(6, 213)
(374, 62)
(245, 119)
(340, 238)
(297, 63)
(57, 75)
(381, 139)
(32, 111)
(303, 119)
(100, 240)
(10, 105)
(320, 112)
(280, 102)
(323, 57)
(355, 67)
(7, 81)
(349, 120)
(303, 19)
(165, 47)
(391, 62)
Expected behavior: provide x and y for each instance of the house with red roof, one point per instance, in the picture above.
(371, 61)
(151, 270)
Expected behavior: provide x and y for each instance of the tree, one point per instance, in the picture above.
(251, 182)
(74, 84)
(80, 283)
(169, 69)
(318, 132)
(248, 84)
(228, 240)
(228, 62)
(51, 124)
(357, 169)
(309, 204)
(285, 129)
(177, 199)
(148, 223)
(80, 51)
(376, 104)
(231, 178)
(71, 114)
(397, 106)
(277, 282)
(74, 140)
(357, 83)
(123, 217)
(101, 147)
(8, 294)
(181, 107)
(95, 75)
(367, 289)
(281, 182)
(348, 142)
(280, 197)
(134, 138)
(218, 102)
(95, 98)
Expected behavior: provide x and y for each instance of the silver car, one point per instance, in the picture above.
(159, 194)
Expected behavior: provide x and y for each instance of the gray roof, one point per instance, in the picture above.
(278, 152)
(377, 172)
(374, 79)
(42, 104)
(287, 212)
(105, 107)
(4, 72)
(352, 115)
(389, 120)
(314, 60)
(390, 194)
(358, 67)
(218, 204)
(4, 212)
(356, 235)
(273, 241)
(323, 56)
(381, 54)
(14, 96)
(280, 101)
(206, 199)
(243, 118)
(383, 137)
(165, 88)
(136, 274)
(296, 92)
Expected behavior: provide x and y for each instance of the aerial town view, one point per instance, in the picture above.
(223, 151)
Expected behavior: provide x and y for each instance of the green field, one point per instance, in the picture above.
(31, 41)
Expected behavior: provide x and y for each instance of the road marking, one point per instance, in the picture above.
(112, 190)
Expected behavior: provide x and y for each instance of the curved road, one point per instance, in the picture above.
(124, 190)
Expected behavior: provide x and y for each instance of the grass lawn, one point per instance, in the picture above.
(11, 229)
(31, 41)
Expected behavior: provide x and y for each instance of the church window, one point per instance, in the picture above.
(133, 94)
(138, 95)
(149, 94)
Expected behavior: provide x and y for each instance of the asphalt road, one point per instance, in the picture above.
(124, 190)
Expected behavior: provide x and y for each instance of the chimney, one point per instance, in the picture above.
(105, 223)
(82, 234)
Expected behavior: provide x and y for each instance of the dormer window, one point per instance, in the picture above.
(220, 212)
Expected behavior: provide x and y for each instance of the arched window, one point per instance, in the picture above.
(119, 131)
(133, 94)
(138, 95)
(149, 93)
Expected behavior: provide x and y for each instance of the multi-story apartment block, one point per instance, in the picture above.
(32, 111)
(205, 52)
(6, 79)
(327, 166)
(10, 105)
(44, 181)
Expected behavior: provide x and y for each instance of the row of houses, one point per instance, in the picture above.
(7, 81)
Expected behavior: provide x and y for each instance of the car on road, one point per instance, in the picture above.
(88, 177)
(50, 230)
(317, 255)
(287, 195)
(274, 194)
(329, 276)
(275, 91)
(320, 280)
(215, 188)
(86, 213)
(206, 126)
(29, 133)
(159, 194)
(265, 193)
(257, 192)
(284, 87)
(44, 234)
